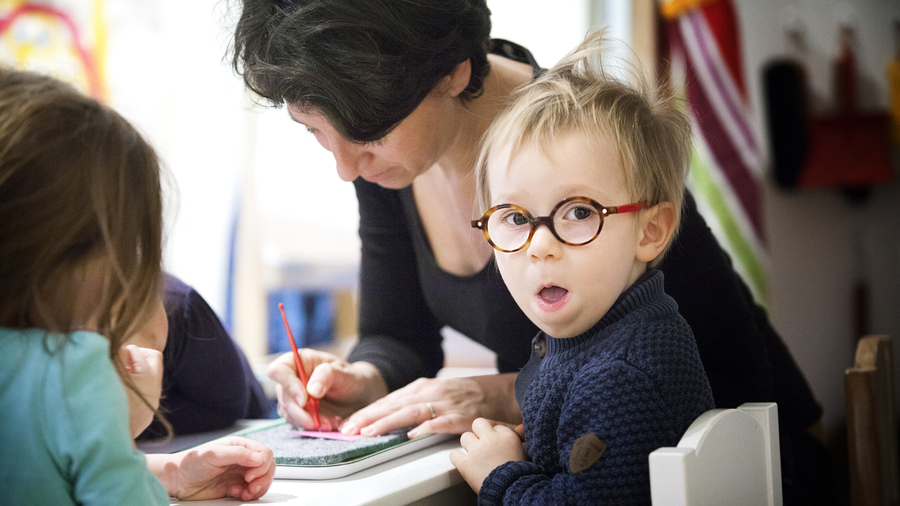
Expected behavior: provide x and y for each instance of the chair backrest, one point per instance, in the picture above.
(871, 430)
(727, 456)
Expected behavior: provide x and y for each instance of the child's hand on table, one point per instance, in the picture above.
(227, 467)
(489, 445)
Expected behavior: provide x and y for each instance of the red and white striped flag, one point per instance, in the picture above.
(726, 166)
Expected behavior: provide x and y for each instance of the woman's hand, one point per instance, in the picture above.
(488, 446)
(456, 403)
(341, 387)
(145, 367)
(228, 467)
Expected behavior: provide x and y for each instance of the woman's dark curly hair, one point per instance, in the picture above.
(364, 64)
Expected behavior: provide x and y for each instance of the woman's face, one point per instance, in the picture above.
(413, 147)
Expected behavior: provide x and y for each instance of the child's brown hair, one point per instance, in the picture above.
(77, 183)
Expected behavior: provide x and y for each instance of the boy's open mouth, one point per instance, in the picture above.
(552, 294)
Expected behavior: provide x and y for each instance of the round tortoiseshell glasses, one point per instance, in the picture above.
(575, 221)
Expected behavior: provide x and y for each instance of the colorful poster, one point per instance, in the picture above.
(62, 39)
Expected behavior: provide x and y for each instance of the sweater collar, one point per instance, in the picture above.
(646, 292)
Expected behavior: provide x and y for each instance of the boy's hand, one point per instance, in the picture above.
(518, 429)
(227, 467)
(145, 367)
(487, 447)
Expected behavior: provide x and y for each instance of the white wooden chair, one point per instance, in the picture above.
(727, 456)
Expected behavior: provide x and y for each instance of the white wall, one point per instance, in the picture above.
(166, 75)
(548, 33)
(817, 237)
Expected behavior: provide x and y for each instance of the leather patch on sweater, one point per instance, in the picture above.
(586, 450)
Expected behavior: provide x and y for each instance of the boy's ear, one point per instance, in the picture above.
(657, 226)
(457, 80)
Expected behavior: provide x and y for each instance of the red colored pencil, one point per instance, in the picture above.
(312, 405)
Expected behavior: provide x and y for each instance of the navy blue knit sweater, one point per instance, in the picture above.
(634, 380)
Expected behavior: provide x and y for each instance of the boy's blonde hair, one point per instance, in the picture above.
(77, 183)
(580, 94)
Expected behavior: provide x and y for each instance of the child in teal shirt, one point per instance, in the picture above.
(80, 270)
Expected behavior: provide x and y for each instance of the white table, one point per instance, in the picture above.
(422, 478)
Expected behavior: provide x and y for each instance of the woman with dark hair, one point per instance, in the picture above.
(400, 92)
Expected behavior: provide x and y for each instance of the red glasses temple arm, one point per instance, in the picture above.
(627, 208)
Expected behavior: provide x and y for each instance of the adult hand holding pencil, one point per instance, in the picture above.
(312, 404)
(339, 388)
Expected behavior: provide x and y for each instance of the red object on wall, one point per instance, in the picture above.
(847, 149)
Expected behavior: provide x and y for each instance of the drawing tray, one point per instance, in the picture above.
(303, 458)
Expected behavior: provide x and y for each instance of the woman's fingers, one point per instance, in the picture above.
(405, 406)
(428, 405)
(283, 372)
(341, 387)
(404, 417)
(328, 377)
(292, 396)
(451, 423)
(400, 416)
(420, 416)
(455, 403)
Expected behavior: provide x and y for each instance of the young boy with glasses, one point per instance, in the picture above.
(582, 178)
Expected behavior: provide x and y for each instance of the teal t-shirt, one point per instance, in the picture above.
(64, 436)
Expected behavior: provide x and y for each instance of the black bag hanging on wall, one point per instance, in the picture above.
(784, 85)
